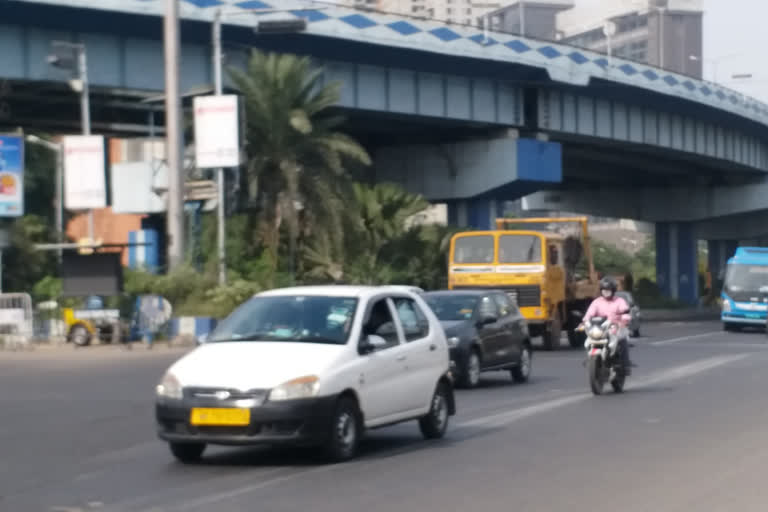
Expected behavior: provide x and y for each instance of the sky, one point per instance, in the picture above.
(735, 42)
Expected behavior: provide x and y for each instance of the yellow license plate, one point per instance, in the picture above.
(220, 417)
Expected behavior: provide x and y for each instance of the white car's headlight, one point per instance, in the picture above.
(170, 387)
(453, 341)
(303, 387)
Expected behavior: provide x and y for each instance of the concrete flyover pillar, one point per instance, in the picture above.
(718, 253)
(475, 213)
(677, 261)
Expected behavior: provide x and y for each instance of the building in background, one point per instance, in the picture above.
(531, 18)
(663, 33)
(462, 12)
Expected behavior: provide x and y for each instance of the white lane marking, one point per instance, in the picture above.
(684, 338)
(680, 372)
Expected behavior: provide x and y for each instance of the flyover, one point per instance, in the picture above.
(464, 117)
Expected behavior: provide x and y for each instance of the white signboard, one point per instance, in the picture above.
(217, 138)
(84, 173)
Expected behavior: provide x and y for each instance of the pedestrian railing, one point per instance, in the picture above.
(16, 320)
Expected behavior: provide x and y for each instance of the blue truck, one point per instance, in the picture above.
(745, 289)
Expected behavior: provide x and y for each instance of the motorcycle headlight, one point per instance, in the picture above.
(453, 341)
(303, 387)
(169, 387)
(595, 333)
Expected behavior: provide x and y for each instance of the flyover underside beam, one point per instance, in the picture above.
(464, 170)
(653, 204)
(590, 116)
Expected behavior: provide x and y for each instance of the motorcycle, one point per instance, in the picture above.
(604, 359)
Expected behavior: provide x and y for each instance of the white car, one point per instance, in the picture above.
(312, 366)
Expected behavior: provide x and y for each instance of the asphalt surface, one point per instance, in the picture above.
(77, 434)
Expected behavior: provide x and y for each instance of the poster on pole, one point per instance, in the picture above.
(84, 172)
(217, 137)
(11, 175)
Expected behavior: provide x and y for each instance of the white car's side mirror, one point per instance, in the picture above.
(371, 343)
(202, 338)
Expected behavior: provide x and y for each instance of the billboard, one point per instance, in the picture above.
(85, 185)
(217, 131)
(92, 274)
(11, 175)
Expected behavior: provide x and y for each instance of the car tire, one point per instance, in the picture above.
(80, 336)
(187, 453)
(434, 424)
(522, 372)
(346, 430)
(470, 374)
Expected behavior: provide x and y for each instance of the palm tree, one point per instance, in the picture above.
(297, 158)
(376, 222)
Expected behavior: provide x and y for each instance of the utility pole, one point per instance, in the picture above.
(85, 114)
(173, 143)
(217, 85)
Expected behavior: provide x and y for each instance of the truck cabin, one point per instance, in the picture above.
(526, 251)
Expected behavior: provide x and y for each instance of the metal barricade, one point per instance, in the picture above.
(16, 320)
(49, 325)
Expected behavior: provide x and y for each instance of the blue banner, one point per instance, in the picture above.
(11, 175)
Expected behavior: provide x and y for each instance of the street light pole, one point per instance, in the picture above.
(217, 85)
(85, 114)
(174, 151)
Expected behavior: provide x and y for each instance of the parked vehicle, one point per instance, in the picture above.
(604, 361)
(313, 366)
(746, 281)
(634, 313)
(539, 269)
(485, 332)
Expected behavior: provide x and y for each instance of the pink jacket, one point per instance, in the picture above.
(610, 309)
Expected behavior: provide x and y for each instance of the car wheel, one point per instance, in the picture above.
(522, 372)
(345, 431)
(80, 336)
(470, 375)
(435, 423)
(187, 453)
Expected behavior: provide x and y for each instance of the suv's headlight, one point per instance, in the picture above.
(453, 341)
(169, 387)
(303, 387)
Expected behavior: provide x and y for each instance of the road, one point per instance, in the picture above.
(77, 434)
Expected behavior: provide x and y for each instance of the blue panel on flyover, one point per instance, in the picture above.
(539, 161)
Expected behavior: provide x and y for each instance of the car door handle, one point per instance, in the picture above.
(433, 347)
(400, 358)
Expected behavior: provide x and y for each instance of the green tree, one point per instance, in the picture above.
(297, 156)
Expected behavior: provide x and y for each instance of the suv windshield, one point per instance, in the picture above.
(297, 318)
(452, 308)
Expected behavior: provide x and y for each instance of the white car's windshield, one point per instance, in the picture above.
(302, 318)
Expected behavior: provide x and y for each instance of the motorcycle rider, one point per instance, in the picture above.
(615, 309)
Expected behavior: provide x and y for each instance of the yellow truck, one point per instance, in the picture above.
(550, 275)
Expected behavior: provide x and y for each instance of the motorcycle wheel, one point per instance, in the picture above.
(594, 369)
